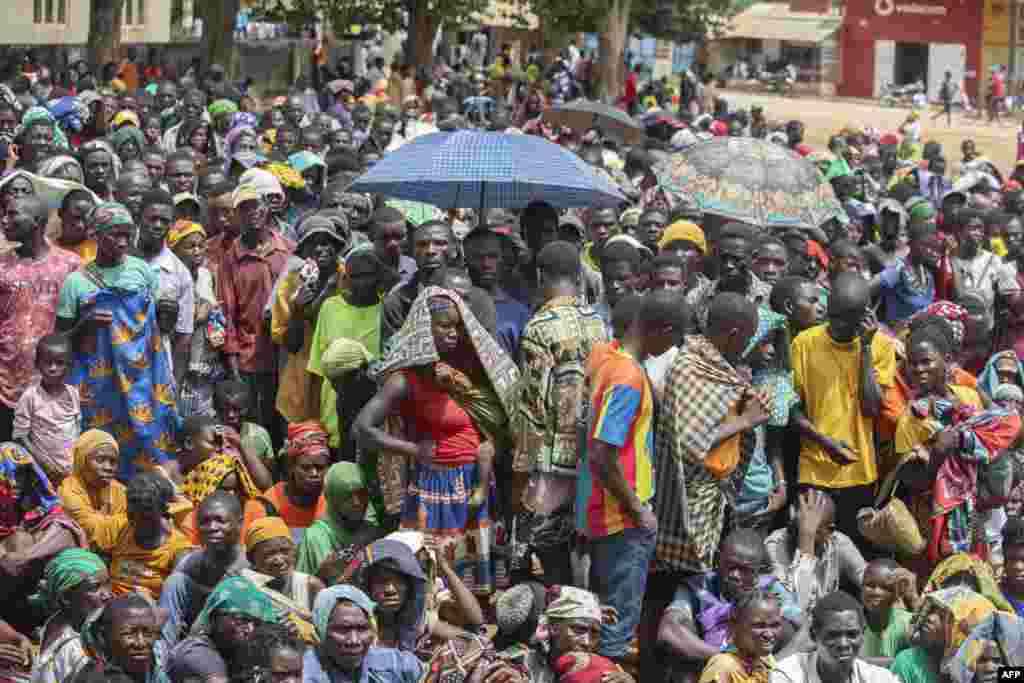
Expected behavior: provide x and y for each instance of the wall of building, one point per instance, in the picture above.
(910, 21)
(19, 28)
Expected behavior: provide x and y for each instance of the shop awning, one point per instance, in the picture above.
(775, 21)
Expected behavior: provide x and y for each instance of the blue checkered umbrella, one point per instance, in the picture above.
(478, 170)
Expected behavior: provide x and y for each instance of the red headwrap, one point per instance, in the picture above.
(305, 438)
(889, 139)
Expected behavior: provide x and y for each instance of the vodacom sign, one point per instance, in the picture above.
(885, 8)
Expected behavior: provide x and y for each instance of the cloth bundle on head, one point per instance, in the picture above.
(342, 356)
(265, 529)
(974, 567)
(568, 602)
(245, 193)
(66, 571)
(684, 230)
(262, 181)
(182, 229)
(109, 215)
(51, 166)
(328, 599)
(305, 438)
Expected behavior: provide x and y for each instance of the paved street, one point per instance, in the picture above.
(824, 117)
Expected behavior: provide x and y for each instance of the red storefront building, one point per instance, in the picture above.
(903, 41)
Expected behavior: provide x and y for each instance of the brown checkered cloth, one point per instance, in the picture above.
(700, 388)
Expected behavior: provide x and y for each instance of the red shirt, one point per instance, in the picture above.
(433, 415)
(631, 87)
(998, 85)
(245, 284)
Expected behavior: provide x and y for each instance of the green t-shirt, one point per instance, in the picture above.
(894, 639)
(132, 274)
(339, 319)
(914, 665)
(256, 441)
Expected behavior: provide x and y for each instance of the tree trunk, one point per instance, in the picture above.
(218, 41)
(419, 49)
(613, 48)
(105, 31)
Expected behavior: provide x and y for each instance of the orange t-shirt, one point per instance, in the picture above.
(298, 519)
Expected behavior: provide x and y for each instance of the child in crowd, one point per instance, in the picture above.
(889, 595)
(232, 400)
(47, 417)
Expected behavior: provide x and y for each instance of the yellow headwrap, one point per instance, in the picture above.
(126, 116)
(181, 230)
(87, 444)
(264, 529)
(684, 230)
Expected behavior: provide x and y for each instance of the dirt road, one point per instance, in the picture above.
(825, 117)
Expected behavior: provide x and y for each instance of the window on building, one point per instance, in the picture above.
(134, 13)
(49, 11)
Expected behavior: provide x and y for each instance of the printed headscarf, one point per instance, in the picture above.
(65, 572)
(1005, 629)
(87, 444)
(49, 168)
(96, 643)
(235, 134)
(222, 108)
(235, 595)
(287, 176)
(964, 563)
(413, 347)
(305, 438)
(109, 215)
(328, 599)
(962, 608)
(263, 181)
(206, 477)
(43, 501)
(124, 117)
(42, 115)
(342, 356)
(952, 313)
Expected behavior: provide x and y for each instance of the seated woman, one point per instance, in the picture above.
(298, 500)
(696, 624)
(996, 642)
(967, 571)
(91, 495)
(344, 619)
(271, 554)
(810, 556)
(119, 640)
(75, 584)
(454, 393)
(756, 626)
(272, 654)
(389, 571)
(33, 529)
(145, 546)
(229, 617)
(943, 621)
(342, 531)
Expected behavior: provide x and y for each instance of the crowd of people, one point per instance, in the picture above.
(256, 426)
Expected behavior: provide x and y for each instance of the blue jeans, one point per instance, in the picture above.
(618, 576)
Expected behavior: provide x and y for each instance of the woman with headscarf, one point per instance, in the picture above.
(75, 584)
(197, 136)
(119, 640)
(452, 384)
(40, 117)
(353, 655)
(91, 495)
(343, 530)
(970, 572)
(996, 642)
(128, 142)
(943, 621)
(230, 614)
(298, 500)
(1002, 368)
(62, 167)
(221, 113)
(241, 150)
(311, 276)
(314, 171)
(271, 553)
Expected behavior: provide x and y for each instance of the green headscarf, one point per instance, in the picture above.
(109, 215)
(65, 572)
(42, 114)
(221, 108)
(235, 595)
(328, 599)
(329, 533)
(126, 133)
